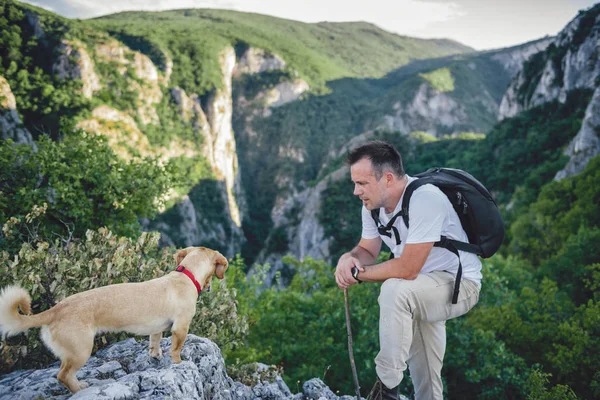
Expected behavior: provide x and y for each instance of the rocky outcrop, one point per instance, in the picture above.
(126, 371)
(512, 59)
(298, 214)
(255, 61)
(570, 62)
(586, 145)
(123, 134)
(284, 92)
(222, 141)
(11, 126)
(200, 217)
(74, 62)
(434, 112)
(149, 92)
(33, 19)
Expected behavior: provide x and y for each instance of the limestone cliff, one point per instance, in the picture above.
(255, 61)
(512, 59)
(570, 62)
(11, 126)
(586, 145)
(81, 68)
(222, 142)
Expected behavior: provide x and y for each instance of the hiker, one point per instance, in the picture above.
(418, 283)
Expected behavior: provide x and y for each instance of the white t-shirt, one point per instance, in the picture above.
(427, 225)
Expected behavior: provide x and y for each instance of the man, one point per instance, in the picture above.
(415, 297)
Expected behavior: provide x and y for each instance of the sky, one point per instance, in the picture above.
(481, 24)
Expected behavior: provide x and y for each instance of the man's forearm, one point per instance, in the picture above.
(385, 270)
(407, 266)
(363, 255)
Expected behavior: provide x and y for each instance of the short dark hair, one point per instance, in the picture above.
(382, 155)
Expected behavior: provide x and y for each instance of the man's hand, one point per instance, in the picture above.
(343, 271)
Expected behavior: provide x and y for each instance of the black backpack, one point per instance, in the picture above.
(477, 210)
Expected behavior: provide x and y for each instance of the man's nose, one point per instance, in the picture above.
(357, 191)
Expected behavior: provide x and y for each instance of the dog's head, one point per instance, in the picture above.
(203, 263)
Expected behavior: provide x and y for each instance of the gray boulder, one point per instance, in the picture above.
(126, 371)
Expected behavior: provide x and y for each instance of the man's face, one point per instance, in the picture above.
(366, 186)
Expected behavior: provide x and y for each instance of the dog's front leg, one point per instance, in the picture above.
(180, 332)
(155, 350)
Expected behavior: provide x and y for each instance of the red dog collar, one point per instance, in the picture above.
(181, 268)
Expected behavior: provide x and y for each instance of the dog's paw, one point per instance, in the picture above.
(176, 359)
(156, 353)
(83, 385)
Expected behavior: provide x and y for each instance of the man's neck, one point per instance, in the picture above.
(396, 194)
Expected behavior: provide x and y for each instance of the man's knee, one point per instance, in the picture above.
(394, 293)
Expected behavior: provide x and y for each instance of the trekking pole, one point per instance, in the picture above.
(350, 352)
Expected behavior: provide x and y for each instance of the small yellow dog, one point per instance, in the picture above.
(146, 308)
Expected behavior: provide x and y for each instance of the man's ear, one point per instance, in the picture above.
(182, 253)
(389, 177)
(221, 265)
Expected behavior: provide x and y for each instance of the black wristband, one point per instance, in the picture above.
(354, 271)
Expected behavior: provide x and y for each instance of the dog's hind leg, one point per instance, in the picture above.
(180, 331)
(155, 350)
(76, 348)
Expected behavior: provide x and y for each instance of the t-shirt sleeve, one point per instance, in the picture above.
(427, 212)
(369, 228)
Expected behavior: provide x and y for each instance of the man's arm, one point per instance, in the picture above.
(407, 266)
(364, 253)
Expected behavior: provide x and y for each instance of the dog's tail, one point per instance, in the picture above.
(12, 299)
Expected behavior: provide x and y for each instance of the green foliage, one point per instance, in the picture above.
(319, 52)
(536, 388)
(172, 125)
(440, 79)
(340, 216)
(531, 142)
(45, 101)
(52, 271)
(251, 84)
(560, 210)
(83, 183)
(117, 89)
(423, 137)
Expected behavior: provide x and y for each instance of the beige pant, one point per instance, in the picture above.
(412, 328)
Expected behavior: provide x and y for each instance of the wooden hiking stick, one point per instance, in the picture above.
(350, 352)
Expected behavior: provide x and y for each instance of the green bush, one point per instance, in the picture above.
(83, 183)
(52, 271)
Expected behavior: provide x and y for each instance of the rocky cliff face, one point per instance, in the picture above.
(513, 59)
(124, 129)
(570, 62)
(586, 145)
(11, 126)
(82, 68)
(255, 61)
(222, 141)
(431, 111)
(125, 371)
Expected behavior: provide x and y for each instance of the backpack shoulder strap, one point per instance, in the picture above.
(375, 216)
(408, 192)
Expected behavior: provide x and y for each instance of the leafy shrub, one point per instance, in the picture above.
(52, 271)
(83, 183)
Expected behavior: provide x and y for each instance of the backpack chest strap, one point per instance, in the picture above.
(386, 230)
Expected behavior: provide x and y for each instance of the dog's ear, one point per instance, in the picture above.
(221, 263)
(182, 253)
